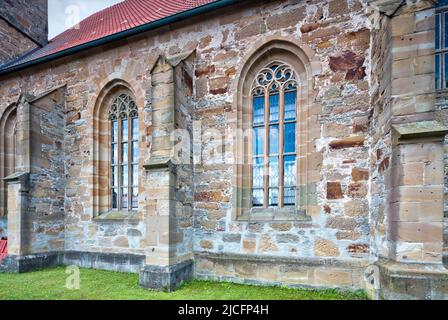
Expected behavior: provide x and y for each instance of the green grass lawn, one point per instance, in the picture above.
(105, 285)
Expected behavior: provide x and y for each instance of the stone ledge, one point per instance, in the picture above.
(346, 274)
(17, 176)
(419, 130)
(157, 163)
(341, 262)
(388, 7)
(273, 215)
(119, 216)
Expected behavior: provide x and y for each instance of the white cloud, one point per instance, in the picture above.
(65, 13)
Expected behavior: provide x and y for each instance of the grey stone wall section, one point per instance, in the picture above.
(30, 17)
(13, 43)
(104, 261)
(22, 264)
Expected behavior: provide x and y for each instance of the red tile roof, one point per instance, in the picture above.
(115, 19)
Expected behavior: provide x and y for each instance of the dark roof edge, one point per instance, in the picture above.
(123, 34)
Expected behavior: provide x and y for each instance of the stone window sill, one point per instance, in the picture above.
(274, 214)
(119, 216)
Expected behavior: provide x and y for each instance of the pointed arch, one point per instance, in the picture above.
(8, 122)
(304, 65)
(116, 94)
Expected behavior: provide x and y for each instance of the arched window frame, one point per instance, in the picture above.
(102, 154)
(124, 151)
(274, 86)
(309, 161)
(8, 147)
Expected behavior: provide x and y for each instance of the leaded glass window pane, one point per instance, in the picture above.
(124, 153)
(273, 140)
(115, 176)
(124, 175)
(134, 198)
(437, 31)
(114, 153)
(258, 110)
(438, 72)
(274, 108)
(290, 171)
(441, 46)
(135, 175)
(124, 129)
(114, 198)
(115, 131)
(290, 137)
(258, 141)
(123, 115)
(274, 185)
(273, 196)
(258, 173)
(290, 105)
(124, 198)
(290, 180)
(258, 197)
(445, 71)
(445, 30)
(135, 129)
(290, 196)
(273, 172)
(134, 152)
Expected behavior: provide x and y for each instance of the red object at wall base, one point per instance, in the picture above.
(3, 249)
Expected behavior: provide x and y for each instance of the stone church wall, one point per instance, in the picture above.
(346, 147)
(47, 174)
(335, 33)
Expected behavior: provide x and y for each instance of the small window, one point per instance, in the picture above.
(123, 116)
(274, 152)
(441, 46)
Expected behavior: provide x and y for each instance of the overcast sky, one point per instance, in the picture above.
(63, 14)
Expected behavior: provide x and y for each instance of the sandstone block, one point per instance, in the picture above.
(334, 190)
(267, 244)
(341, 223)
(325, 248)
(348, 142)
(359, 174)
(357, 190)
(206, 244)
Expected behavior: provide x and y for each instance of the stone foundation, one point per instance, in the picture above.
(120, 262)
(95, 260)
(166, 278)
(21, 264)
(413, 282)
(293, 272)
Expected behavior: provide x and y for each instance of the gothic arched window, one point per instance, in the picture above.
(274, 151)
(123, 115)
(8, 135)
